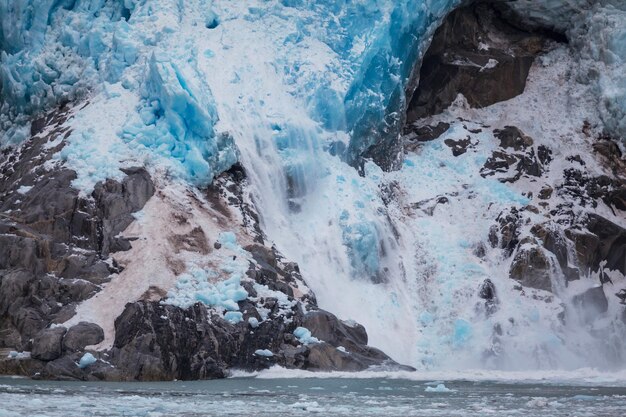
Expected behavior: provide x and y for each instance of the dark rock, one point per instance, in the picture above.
(47, 344)
(54, 243)
(510, 167)
(327, 327)
(554, 240)
(546, 192)
(532, 268)
(459, 147)
(608, 149)
(456, 62)
(64, 369)
(611, 243)
(81, 335)
(513, 137)
(506, 234)
(487, 290)
(325, 357)
(418, 134)
(617, 198)
(585, 246)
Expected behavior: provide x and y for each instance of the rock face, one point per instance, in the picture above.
(157, 342)
(54, 242)
(55, 248)
(476, 54)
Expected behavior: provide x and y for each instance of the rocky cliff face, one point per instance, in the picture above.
(59, 248)
(567, 238)
(492, 233)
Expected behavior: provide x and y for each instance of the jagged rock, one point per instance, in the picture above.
(183, 345)
(458, 147)
(418, 134)
(487, 290)
(510, 166)
(611, 243)
(585, 246)
(505, 235)
(327, 327)
(513, 137)
(476, 54)
(81, 335)
(155, 342)
(553, 240)
(531, 267)
(54, 242)
(47, 345)
(546, 192)
(117, 201)
(325, 357)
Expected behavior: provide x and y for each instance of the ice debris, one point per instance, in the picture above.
(86, 360)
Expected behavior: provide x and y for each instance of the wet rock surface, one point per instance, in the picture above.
(477, 54)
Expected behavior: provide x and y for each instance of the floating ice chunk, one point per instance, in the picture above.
(18, 355)
(342, 349)
(439, 388)
(233, 317)
(304, 336)
(86, 360)
(263, 352)
(253, 322)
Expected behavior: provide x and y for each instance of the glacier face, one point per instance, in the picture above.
(293, 89)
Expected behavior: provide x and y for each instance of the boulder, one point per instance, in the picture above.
(457, 62)
(531, 267)
(47, 345)
(611, 243)
(327, 327)
(81, 335)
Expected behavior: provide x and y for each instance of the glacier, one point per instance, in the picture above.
(303, 94)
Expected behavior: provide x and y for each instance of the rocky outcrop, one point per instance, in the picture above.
(160, 342)
(477, 54)
(54, 243)
(55, 248)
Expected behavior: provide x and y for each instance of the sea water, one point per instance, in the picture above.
(325, 396)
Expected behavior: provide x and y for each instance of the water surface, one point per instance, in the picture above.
(247, 396)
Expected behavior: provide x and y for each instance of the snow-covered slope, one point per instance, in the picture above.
(301, 93)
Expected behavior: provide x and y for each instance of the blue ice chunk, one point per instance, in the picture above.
(228, 239)
(253, 322)
(263, 352)
(362, 241)
(439, 388)
(462, 333)
(86, 360)
(304, 336)
(233, 317)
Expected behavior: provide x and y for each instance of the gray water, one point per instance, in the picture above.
(299, 396)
